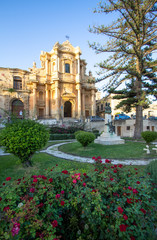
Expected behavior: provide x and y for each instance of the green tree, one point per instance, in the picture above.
(23, 138)
(132, 40)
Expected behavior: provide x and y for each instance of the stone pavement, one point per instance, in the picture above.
(53, 150)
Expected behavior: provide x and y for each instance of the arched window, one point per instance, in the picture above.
(17, 83)
(67, 68)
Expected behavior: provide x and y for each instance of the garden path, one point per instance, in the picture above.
(53, 150)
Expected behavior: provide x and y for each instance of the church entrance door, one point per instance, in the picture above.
(67, 109)
(18, 108)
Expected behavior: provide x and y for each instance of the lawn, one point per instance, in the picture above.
(11, 166)
(129, 150)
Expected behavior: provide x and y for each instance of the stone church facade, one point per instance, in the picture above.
(59, 89)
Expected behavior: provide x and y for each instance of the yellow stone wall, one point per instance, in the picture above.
(45, 91)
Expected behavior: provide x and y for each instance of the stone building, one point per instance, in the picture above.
(59, 89)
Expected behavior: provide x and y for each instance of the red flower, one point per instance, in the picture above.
(65, 171)
(62, 203)
(55, 223)
(120, 210)
(32, 190)
(123, 227)
(129, 200)
(0, 199)
(50, 180)
(74, 181)
(115, 171)
(5, 209)
(8, 178)
(138, 182)
(142, 210)
(125, 217)
(43, 177)
(132, 238)
(135, 191)
(58, 196)
(40, 205)
(84, 174)
(35, 180)
(84, 184)
(62, 192)
(93, 158)
(34, 176)
(130, 188)
(111, 179)
(120, 165)
(107, 161)
(3, 184)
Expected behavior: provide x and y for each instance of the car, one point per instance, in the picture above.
(152, 118)
(121, 116)
(95, 118)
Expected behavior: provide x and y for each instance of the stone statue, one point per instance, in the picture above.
(107, 108)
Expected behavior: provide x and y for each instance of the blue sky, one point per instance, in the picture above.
(29, 26)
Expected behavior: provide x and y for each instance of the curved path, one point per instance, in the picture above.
(53, 150)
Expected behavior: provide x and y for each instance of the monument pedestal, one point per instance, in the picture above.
(107, 138)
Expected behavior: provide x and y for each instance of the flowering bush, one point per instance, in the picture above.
(108, 202)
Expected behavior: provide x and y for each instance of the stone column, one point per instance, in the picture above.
(93, 103)
(83, 103)
(47, 102)
(34, 100)
(79, 100)
(57, 95)
(47, 67)
(51, 111)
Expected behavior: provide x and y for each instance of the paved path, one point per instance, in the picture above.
(53, 150)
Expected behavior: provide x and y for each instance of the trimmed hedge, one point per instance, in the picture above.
(85, 138)
(61, 136)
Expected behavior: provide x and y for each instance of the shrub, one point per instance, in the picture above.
(64, 130)
(149, 136)
(61, 136)
(23, 138)
(152, 170)
(108, 202)
(77, 132)
(85, 138)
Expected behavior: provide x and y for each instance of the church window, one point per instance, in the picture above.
(67, 67)
(17, 83)
(101, 106)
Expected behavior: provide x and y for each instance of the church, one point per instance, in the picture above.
(59, 89)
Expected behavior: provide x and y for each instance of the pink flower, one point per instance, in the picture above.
(35, 180)
(34, 176)
(32, 190)
(74, 181)
(54, 223)
(58, 196)
(130, 188)
(120, 210)
(84, 184)
(62, 192)
(8, 178)
(15, 229)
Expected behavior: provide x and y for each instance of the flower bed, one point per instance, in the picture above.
(108, 202)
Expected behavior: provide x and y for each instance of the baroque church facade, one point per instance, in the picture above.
(59, 89)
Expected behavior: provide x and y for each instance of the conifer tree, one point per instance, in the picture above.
(132, 40)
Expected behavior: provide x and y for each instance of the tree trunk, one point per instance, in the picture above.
(139, 122)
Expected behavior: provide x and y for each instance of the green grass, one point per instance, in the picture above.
(10, 166)
(129, 150)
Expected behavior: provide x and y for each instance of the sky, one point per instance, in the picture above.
(30, 26)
